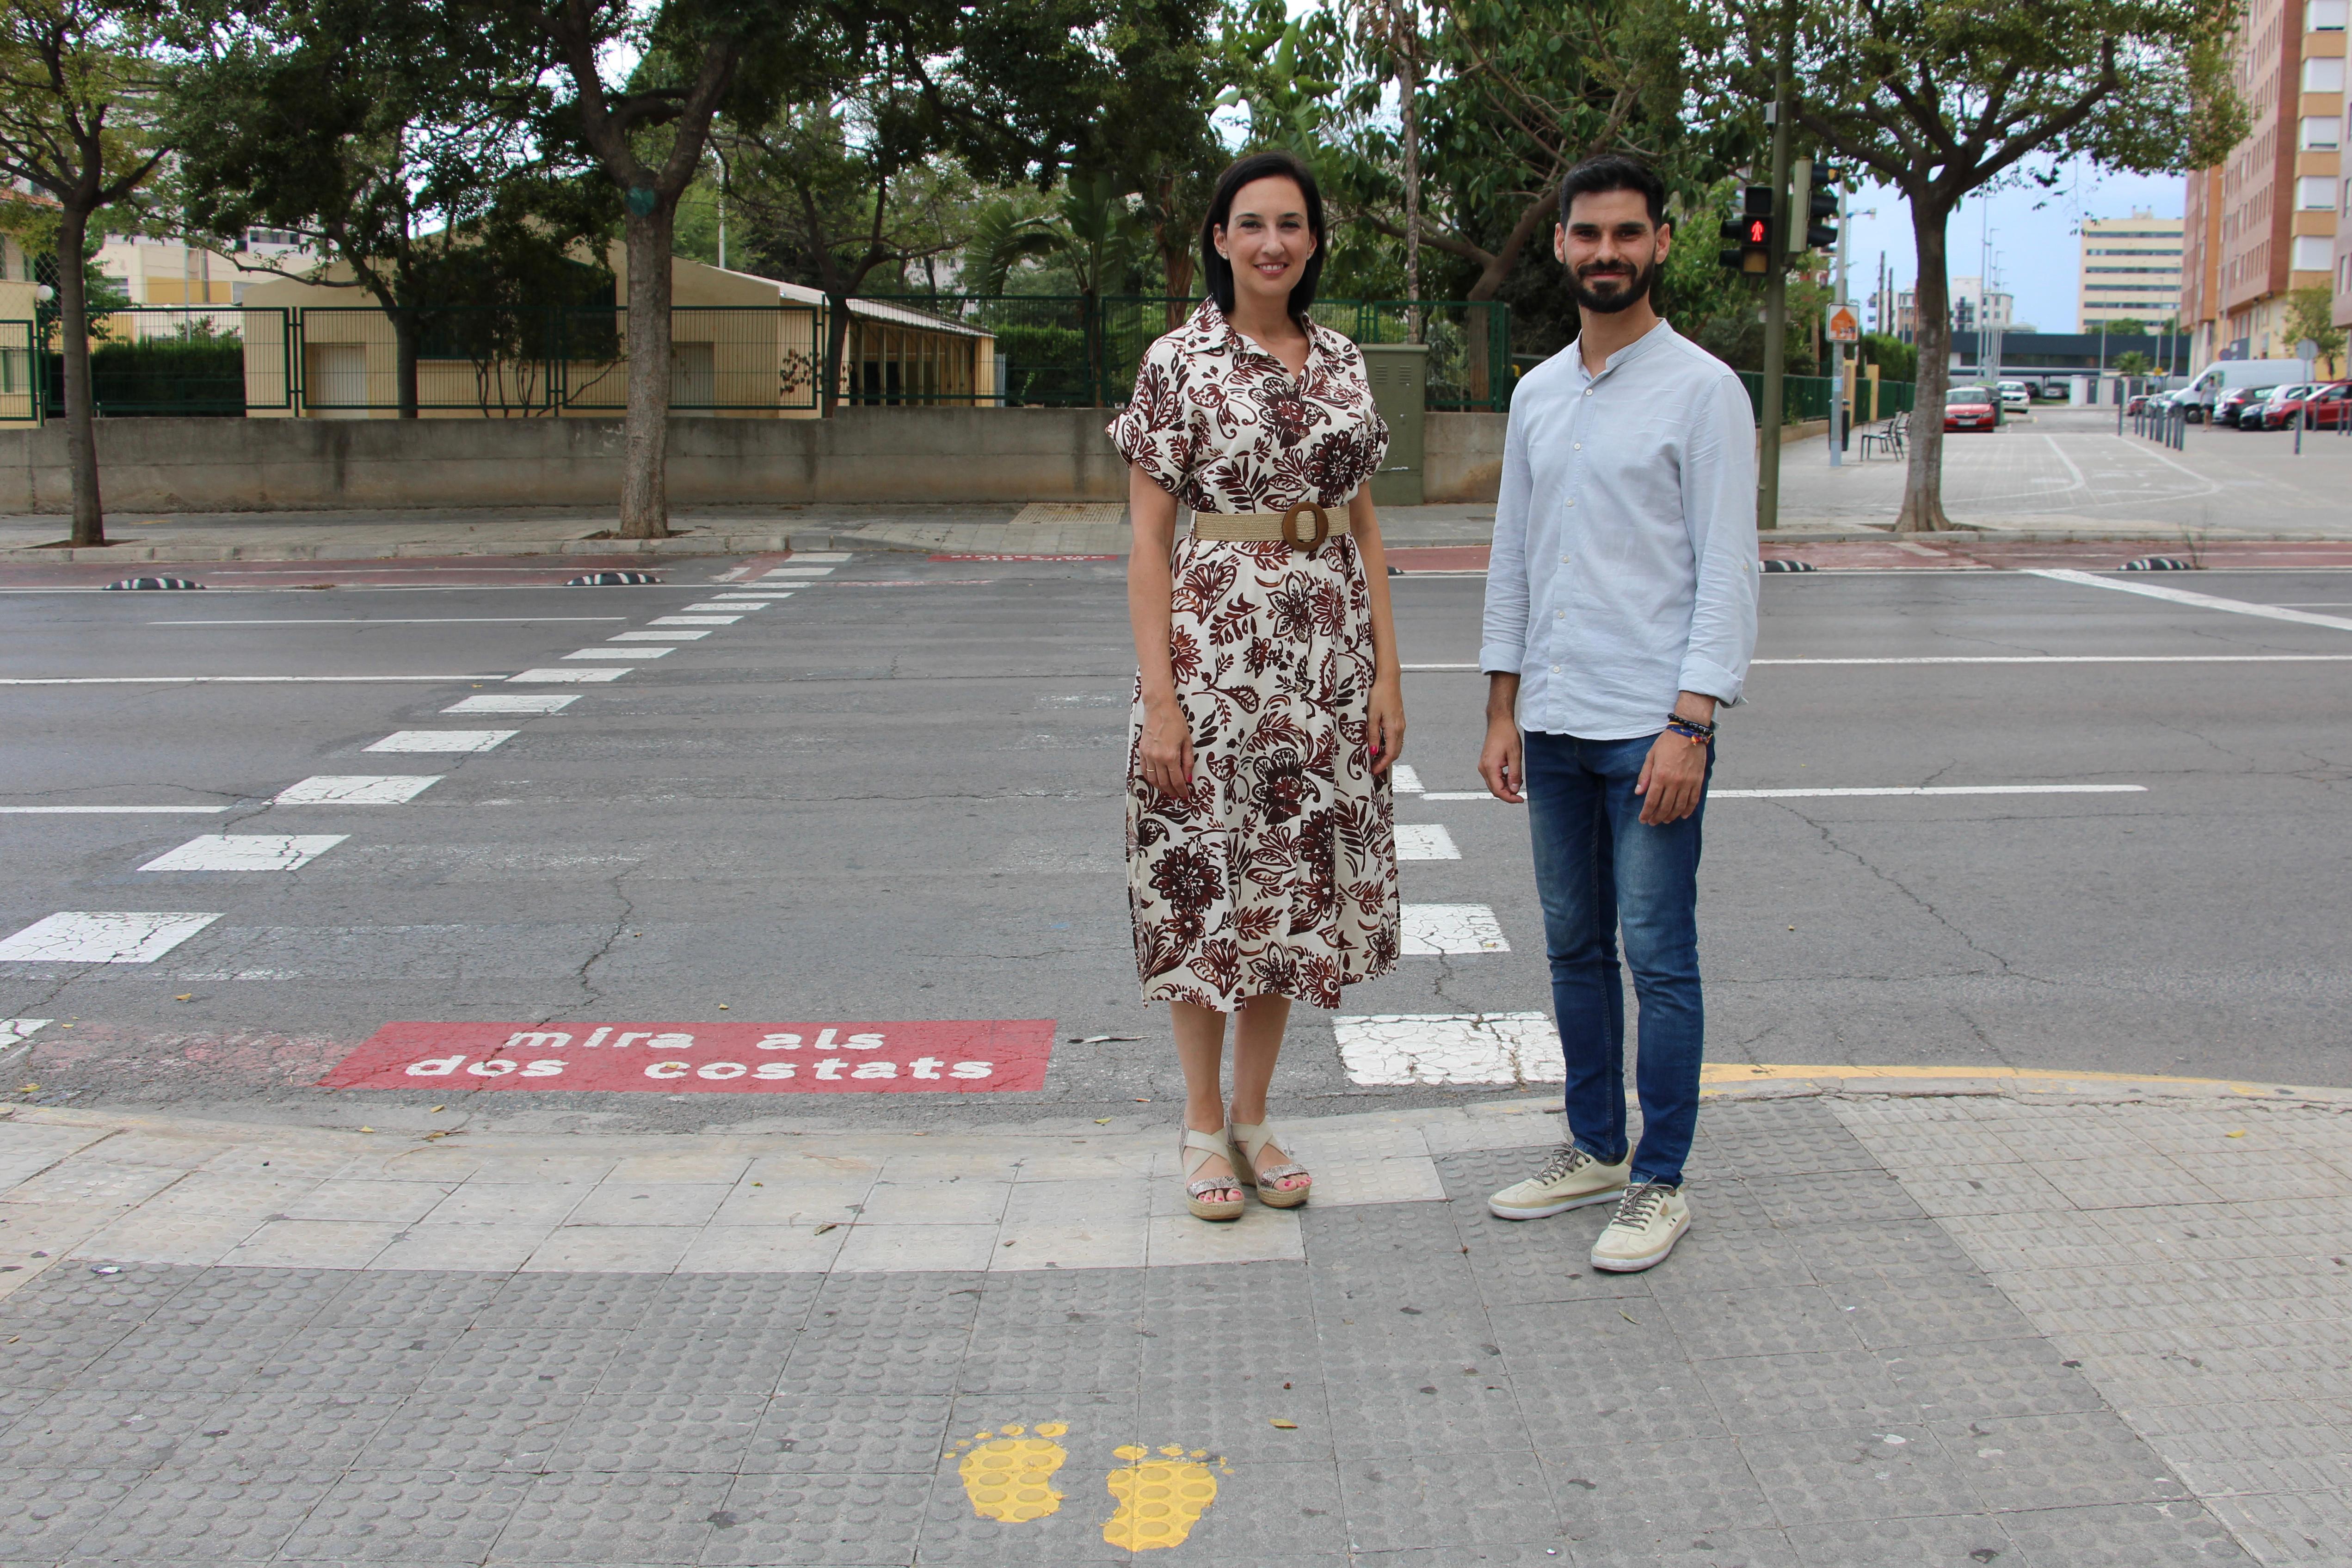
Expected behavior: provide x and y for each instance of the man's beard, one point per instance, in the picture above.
(1620, 299)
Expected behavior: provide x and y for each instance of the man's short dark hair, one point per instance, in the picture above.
(1614, 171)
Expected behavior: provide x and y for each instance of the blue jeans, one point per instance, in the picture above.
(1600, 871)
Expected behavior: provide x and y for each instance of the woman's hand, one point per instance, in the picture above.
(1384, 723)
(1167, 748)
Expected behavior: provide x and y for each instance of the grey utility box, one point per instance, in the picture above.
(1400, 376)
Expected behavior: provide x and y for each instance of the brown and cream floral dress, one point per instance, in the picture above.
(1278, 875)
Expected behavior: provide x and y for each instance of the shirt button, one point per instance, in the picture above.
(1559, 614)
(1587, 391)
(1563, 560)
(1571, 500)
(1578, 445)
(1554, 669)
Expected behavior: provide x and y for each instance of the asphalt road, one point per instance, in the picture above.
(894, 796)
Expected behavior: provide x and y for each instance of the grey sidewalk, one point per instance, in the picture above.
(2020, 1323)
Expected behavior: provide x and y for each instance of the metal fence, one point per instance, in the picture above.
(1074, 351)
(1805, 398)
(521, 363)
(197, 359)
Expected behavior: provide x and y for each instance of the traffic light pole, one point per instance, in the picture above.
(1776, 312)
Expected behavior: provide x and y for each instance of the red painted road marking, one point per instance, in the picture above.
(951, 1057)
(1026, 558)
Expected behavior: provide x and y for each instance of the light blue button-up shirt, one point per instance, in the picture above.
(1623, 569)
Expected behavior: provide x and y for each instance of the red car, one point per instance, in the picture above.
(2328, 403)
(1969, 408)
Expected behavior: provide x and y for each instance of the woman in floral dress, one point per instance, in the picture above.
(1260, 832)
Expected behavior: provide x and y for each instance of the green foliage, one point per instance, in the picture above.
(1897, 359)
(2133, 363)
(2310, 314)
(2124, 327)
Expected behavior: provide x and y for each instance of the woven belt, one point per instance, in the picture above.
(1266, 527)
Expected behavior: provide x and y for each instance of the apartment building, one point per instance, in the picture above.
(2263, 222)
(1973, 308)
(2130, 269)
(168, 272)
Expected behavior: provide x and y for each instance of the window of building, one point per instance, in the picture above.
(2324, 73)
(2314, 194)
(2319, 133)
(2311, 251)
(2324, 15)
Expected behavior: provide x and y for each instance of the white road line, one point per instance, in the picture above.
(103, 936)
(1450, 1048)
(355, 789)
(1457, 795)
(246, 851)
(517, 702)
(1431, 930)
(657, 636)
(723, 604)
(1403, 780)
(1410, 668)
(548, 675)
(443, 739)
(694, 620)
(105, 811)
(795, 573)
(1933, 790)
(620, 653)
(808, 555)
(767, 596)
(397, 620)
(2182, 596)
(220, 680)
(1425, 841)
(2088, 659)
(15, 1031)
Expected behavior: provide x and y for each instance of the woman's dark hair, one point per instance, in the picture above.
(1217, 272)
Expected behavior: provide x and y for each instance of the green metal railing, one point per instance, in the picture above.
(20, 374)
(221, 361)
(1074, 351)
(1806, 398)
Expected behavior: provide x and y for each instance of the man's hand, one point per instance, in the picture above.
(1502, 761)
(1674, 776)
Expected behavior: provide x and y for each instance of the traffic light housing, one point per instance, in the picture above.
(1821, 211)
(1751, 233)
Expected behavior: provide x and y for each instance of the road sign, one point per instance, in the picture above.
(1843, 328)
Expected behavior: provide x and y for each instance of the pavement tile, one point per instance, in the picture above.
(111, 1430)
(1662, 1491)
(1711, 1548)
(397, 1202)
(884, 1333)
(622, 1202)
(626, 1517)
(93, 1179)
(1773, 1320)
(261, 1425)
(613, 1249)
(1582, 1373)
(1820, 1391)
(46, 1511)
(725, 1166)
(697, 1360)
(2057, 1461)
(1418, 1499)
(916, 1249)
(738, 1302)
(1272, 1512)
(1262, 1234)
(409, 1516)
(50, 1349)
(2311, 1528)
(1851, 1197)
(212, 1515)
(509, 1205)
(1990, 1379)
(311, 1244)
(2122, 1535)
(1121, 1245)
(1922, 1542)
(802, 1204)
(1860, 1473)
(924, 1199)
(901, 1434)
(1888, 1313)
(819, 1520)
(685, 1431)
(451, 1248)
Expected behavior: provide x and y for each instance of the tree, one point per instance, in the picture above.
(1153, 135)
(1092, 235)
(393, 134)
(2133, 363)
(2124, 327)
(76, 97)
(1941, 98)
(2310, 316)
(648, 131)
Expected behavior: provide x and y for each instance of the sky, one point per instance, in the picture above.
(2037, 255)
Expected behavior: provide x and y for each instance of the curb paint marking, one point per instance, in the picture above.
(515, 703)
(1160, 1500)
(442, 740)
(568, 676)
(246, 851)
(1009, 1477)
(942, 1057)
(103, 936)
(355, 789)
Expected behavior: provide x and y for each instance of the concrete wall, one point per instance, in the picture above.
(862, 455)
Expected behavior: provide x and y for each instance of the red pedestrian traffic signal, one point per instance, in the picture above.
(1750, 251)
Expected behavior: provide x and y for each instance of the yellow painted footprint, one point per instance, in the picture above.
(1009, 1474)
(1160, 1500)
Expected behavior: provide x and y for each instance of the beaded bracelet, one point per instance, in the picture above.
(1696, 731)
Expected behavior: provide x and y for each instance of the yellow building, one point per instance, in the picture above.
(2131, 269)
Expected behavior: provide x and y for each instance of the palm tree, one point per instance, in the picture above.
(1092, 233)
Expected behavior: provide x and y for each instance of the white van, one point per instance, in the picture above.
(2222, 374)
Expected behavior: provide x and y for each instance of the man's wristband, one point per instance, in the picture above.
(1697, 731)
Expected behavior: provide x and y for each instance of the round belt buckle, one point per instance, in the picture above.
(1290, 526)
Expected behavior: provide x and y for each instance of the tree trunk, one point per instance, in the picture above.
(73, 341)
(1922, 479)
(405, 336)
(645, 479)
(836, 344)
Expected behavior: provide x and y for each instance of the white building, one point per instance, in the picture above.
(2130, 268)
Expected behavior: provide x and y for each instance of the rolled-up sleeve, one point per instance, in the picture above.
(1503, 644)
(1718, 484)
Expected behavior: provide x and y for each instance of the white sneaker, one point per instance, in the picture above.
(1649, 1220)
(1571, 1179)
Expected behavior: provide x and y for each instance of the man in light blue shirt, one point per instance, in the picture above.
(1620, 614)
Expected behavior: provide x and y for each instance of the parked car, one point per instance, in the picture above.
(2327, 402)
(2140, 401)
(2230, 406)
(1969, 408)
(2014, 398)
(2224, 374)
